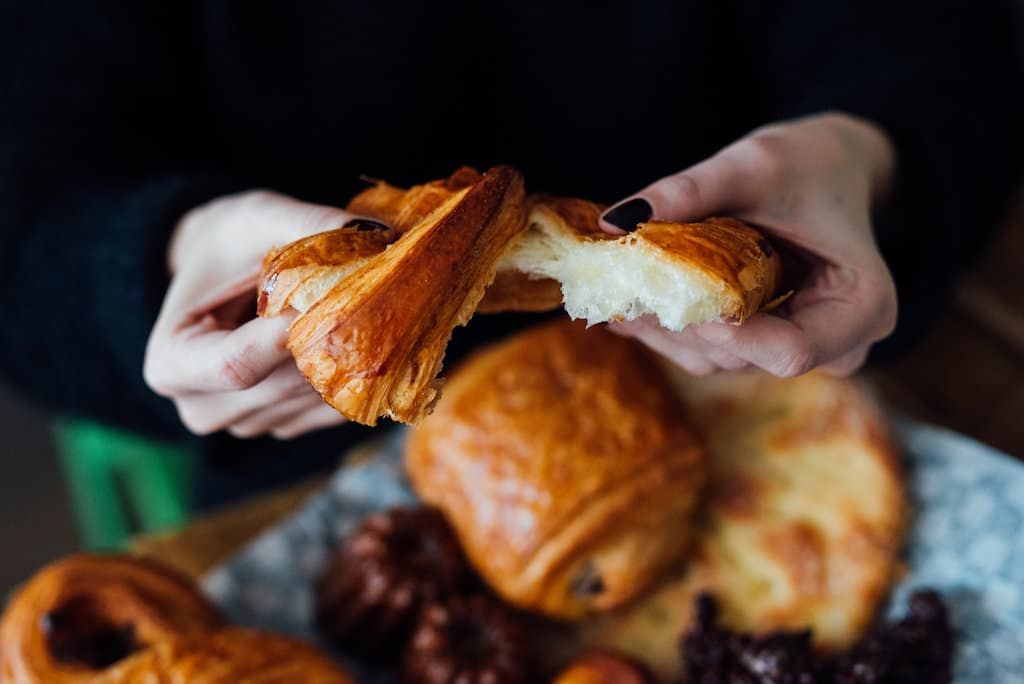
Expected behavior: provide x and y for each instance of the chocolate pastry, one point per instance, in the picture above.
(472, 640)
(564, 461)
(371, 594)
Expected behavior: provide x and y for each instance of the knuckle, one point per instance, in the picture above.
(237, 373)
(196, 422)
(795, 362)
(766, 155)
(245, 431)
(681, 189)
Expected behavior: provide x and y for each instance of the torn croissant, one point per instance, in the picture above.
(718, 269)
(377, 308)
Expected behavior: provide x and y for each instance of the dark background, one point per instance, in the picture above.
(968, 374)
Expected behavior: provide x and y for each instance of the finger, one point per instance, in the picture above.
(676, 347)
(849, 364)
(715, 185)
(202, 358)
(261, 422)
(318, 418)
(768, 342)
(210, 412)
(725, 360)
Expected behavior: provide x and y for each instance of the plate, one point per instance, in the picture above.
(966, 541)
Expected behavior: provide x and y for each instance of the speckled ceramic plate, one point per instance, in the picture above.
(967, 541)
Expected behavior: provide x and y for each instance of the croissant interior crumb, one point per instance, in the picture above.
(605, 280)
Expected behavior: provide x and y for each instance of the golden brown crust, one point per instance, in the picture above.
(604, 666)
(373, 345)
(74, 598)
(515, 291)
(403, 209)
(563, 462)
(734, 256)
(229, 656)
(803, 521)
(314, 258)
(724, 250)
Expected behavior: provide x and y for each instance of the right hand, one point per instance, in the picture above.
(223, 368)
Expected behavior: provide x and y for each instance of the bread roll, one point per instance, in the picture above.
(563, 460)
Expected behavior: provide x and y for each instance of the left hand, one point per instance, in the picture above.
(810, 182)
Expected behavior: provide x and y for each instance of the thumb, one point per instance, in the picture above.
(712, 186)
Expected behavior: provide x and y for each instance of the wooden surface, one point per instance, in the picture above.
(968, 373)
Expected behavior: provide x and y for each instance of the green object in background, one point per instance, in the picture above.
(122, 484)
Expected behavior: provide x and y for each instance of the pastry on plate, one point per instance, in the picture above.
(81, 614)
(227, 656)
(563, 459)
(91, 619)
(803, 520)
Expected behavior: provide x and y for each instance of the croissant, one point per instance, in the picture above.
(719, 269)
(377, 310)
(87, 619)
(564, 462)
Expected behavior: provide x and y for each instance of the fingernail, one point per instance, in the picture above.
(364, 224)
(627, 215)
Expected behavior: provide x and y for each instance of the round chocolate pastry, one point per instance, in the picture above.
(373, 589)
(472, 640)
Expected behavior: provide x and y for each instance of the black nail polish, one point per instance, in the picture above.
(363, 224)
(630, 213)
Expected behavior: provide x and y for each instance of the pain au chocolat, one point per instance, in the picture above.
(564, 462)
(377, 300)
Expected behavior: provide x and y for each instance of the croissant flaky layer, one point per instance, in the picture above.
(373, 343)
(377, 306)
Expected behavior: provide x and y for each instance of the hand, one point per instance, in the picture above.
(810, 182)
(222, 367)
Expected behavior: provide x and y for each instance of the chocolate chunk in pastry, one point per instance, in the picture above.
(371, 594)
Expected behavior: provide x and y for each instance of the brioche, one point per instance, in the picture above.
(564, 462)
(803, 520)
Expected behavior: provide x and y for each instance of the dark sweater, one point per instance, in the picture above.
(117, 117)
